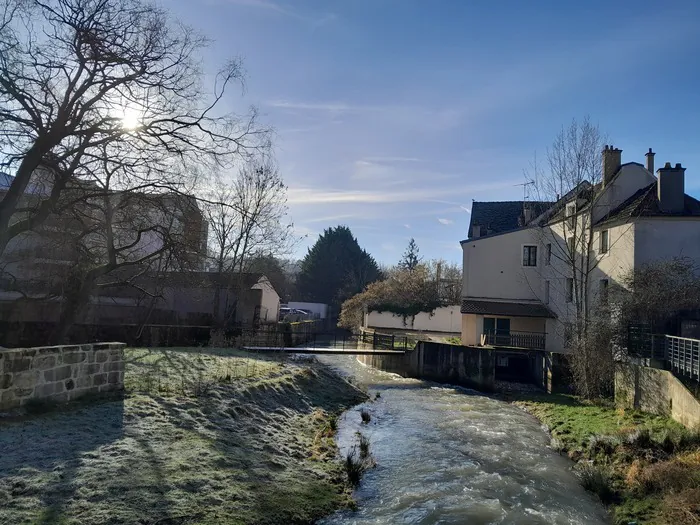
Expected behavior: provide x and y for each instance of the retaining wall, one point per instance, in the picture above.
(59, 373)
(656, 391)
(460, 365)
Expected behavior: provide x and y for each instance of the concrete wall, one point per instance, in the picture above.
(444, 319)
(59, 373)
(460, 365)
(656, 391)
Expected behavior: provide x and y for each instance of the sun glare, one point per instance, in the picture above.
(130, 119)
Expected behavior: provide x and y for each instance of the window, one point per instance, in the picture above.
(571, 245)
(604, 241)
(568, 334)
(569, 290)
(571, 215)
(604, 284)
(546, 292)
(529, 255)
(548, 254)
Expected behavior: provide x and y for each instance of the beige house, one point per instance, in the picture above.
(529, 266)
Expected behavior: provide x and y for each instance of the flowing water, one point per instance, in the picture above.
(447, 455)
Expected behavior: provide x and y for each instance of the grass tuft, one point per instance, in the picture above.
(597, 480)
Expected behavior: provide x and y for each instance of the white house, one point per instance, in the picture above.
(529, 266)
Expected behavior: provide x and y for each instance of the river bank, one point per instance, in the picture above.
(204, 437)
(645, 468)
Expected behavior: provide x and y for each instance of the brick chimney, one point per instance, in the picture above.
(612, 160)
(671, 188)
(650, 161)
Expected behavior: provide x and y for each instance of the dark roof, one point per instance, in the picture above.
(503, 216)
(645, 203)
(510, 309)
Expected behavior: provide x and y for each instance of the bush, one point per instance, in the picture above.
(365, 415)
(683, 507)
(606, 445)
(364, 446)
(597, 480)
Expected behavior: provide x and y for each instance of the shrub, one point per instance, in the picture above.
(683, 507)
(364, 446)
(640, 438)
(606, 445)
(365, 415)
(354, 467)
(597, 480)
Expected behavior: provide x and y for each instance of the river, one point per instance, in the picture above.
(447, 455)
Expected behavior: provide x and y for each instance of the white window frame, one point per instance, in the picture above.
(522, 255)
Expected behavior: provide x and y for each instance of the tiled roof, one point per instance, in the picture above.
(503, 216)
(509, 309)
(645, 203)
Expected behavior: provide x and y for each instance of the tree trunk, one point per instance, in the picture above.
(73, 306)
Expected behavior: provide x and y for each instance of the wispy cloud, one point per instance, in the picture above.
(407, 226)
(276, 7)
(391, 159)
(417, 194)
(446, 222)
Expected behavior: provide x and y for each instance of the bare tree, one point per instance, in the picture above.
(91, 87)
(246, 221)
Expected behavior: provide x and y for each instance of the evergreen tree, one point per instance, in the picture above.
(410, 259)
(336, 268)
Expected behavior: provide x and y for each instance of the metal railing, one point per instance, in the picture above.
(681, 354)
(529, 340)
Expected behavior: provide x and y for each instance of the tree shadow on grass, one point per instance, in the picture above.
(41, 457)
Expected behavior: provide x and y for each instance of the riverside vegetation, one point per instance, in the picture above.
(206, 437)
(646, 468)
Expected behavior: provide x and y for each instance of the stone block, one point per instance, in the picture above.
(47, 390)
(70, 358)
(58, 374)
(113, 378)
(89, 369)
(114, 366)
(83, 382)
(60, 398)
(43, 362)
(70, 384)
(70, 348)
(116, 355)
(99, 379)
(5, 381)
(24, 392)
(101, 356)
(18, 363)
(27, 379)
(9, 400)
(90, 356)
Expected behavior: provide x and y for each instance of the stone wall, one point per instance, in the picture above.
(59, 373)
(657, 391)
(460, 365)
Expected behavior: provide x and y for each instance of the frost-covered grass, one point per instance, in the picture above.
(213, 437)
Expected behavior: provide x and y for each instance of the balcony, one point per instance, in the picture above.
(509, 339)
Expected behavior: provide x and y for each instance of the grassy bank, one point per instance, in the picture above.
(217, 437)
(645, 467)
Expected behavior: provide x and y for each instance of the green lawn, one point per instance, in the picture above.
(646, 467)
(212, 437)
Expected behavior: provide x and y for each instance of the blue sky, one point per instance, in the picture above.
(391, 116)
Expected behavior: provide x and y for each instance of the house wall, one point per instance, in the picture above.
(666, 237)
(473, 326)
(493, 267)
(630, 179)
(269, 302)
(319, 309)
(444, 319)
(470, 336)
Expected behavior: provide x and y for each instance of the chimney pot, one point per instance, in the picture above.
(678, 165)
(667, 166)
